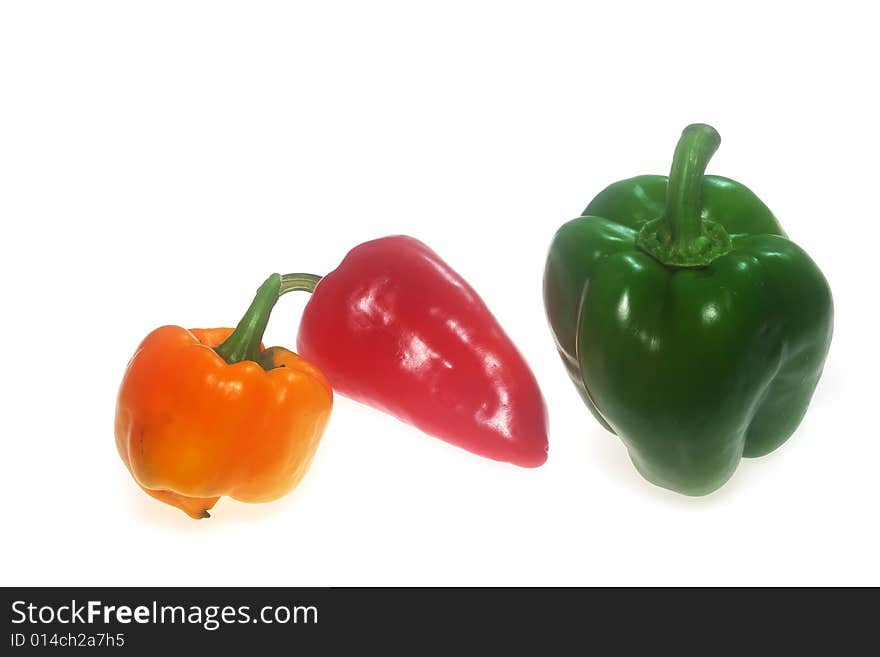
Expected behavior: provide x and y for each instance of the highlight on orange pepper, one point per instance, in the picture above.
(203, 413)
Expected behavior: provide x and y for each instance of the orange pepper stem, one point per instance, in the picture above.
(298, 282)
(244, 342)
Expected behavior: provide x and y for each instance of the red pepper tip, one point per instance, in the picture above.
(529, 458)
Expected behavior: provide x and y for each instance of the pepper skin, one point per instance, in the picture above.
(194, 422)
(692, 327)
(396, 328)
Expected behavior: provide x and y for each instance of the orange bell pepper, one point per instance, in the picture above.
(203, 413)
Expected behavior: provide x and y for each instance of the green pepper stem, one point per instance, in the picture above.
(684, 205)
(244, 342)
(681, 237)
(298, 282)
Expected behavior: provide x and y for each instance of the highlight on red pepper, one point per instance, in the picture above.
(203, 413)
(396, 328)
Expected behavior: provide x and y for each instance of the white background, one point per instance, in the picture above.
(159, 159)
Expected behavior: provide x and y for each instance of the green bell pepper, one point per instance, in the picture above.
(692, 327)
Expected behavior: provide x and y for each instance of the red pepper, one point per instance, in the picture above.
(396, 328)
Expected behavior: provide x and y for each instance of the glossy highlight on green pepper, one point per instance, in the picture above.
(691, 326)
